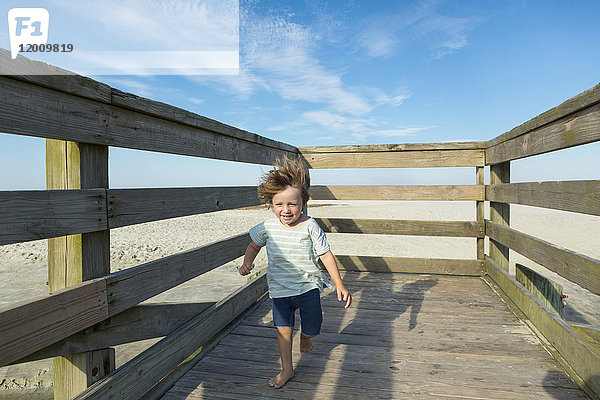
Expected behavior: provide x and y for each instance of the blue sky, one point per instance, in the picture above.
(347, 72)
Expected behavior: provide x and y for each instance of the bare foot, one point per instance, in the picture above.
(306, 344)
(281, 379)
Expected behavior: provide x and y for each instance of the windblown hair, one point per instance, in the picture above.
(286, 172)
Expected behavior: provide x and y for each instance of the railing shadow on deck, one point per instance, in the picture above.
(344, 352)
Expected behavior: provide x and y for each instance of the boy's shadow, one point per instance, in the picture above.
(351, 349)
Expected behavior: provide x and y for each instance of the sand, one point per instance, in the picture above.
(23, 267)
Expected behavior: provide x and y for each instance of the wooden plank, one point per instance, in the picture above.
(366, 148)
(138, 375)
(175, 114)
(581, 101)
(397, 159)
(42, 214)
(548, 292)
(134, 206)
(36, 111)
(575, 351)
(160, 388)
(500, 214)
(146, 321)
(574, 130)
(131, 286)
(575, 196)
(34, 324)
(410, 265)
(590, 334)
(50, 76)
(402, 227)
(479, 211)
(76, 258)
(410, 192)
(578, 268)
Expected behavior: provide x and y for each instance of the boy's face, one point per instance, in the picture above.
(287, 206)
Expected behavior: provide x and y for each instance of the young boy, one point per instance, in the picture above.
(293, 242)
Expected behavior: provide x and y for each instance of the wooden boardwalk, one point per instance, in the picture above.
(406, 336)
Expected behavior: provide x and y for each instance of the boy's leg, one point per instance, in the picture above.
(284, 339)
(311, 316)
(306, 344)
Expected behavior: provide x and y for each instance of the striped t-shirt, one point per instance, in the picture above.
(292, 254)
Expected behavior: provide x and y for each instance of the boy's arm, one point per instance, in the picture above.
(249, 257)
(329, 261)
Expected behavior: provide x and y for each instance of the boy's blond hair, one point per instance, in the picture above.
(286, 172)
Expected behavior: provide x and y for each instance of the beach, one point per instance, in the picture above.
(23, 267)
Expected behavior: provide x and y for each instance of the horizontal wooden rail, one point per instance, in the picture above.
(410, 265)
(145, 321)
(40, 214)
(571, 106)
(403, 227)
(137, 376)
(573, 129)
(413, 192)
(134, 206)
(578, 354)
(367, 148)
(34, 324)
(133, 285)
(50, 76)
(395, 156)
(575, 196)
(578, 268)
(44, 214)
(32, 110)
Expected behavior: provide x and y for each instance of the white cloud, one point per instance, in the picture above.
(383, 36)
(196, 101)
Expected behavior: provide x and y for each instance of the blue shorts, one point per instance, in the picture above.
(311, 316)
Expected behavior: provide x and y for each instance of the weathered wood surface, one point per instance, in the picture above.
(403, 227)
(573, 130)
(39, 214)
(50, 76)
(26, 109)
(412, 192)
(500, 214)
(133, 285)
(137, 376)
(577, 353)
(407, 351)
(548, 292)
(409, 264)
(366, 148)
(574, 104)
(34, 324)
(134, 206)
(590, 334)
(578, 268)
(166, 111)
(396, 159)
(81, 257)
(146, 321)
(479, 211)
(575, 196)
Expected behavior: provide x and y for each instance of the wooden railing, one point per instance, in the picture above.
(90, 309)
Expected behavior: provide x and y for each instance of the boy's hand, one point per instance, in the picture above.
(245, 269)
(344, 294)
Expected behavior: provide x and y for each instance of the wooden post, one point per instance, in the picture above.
(479, 205)
(500, 213)
(76, 258)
